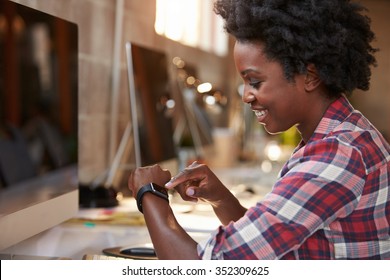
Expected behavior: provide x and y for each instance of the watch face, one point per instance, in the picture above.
(158, 188)
(154, 189)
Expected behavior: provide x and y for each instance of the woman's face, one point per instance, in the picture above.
(277, 102)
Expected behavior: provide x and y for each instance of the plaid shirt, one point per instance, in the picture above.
(331, 200)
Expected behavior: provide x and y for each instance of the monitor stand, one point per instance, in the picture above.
(97, 197)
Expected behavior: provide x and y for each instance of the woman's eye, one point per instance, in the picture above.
(255, 84)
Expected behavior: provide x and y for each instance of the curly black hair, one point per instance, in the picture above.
(334, 35)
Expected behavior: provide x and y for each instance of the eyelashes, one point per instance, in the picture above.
(255, 84)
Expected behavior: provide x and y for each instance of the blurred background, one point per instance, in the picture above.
(200, 58)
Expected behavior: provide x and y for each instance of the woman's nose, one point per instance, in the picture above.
(248, 96)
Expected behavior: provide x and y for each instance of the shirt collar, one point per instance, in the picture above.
(336, 113)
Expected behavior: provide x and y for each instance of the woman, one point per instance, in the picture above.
(299, 60)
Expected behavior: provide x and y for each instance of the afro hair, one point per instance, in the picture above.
(334, 35)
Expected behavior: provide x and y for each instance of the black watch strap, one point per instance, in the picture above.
(152, 188)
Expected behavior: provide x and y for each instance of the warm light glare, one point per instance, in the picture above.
(191, 80)
(205, 87)
(178, 62)
(210, 100)
(266, 166)
(191, 22)
(171, 12)
(273, 151)
(170, 104)
(240, 89)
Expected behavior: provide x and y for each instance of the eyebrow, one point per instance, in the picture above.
(247, 71)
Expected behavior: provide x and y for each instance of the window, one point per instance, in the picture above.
(192, 23)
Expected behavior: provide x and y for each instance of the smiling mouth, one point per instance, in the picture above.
(260, 114)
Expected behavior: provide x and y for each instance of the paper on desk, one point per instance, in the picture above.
(198, 223)
(108, 216)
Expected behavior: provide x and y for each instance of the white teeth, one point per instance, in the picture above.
(259, 113)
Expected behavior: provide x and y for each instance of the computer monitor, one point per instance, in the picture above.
(38, 121)
(152, 106)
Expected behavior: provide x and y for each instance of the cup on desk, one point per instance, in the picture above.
(225, 149)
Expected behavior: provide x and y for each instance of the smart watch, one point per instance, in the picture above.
(152, 188)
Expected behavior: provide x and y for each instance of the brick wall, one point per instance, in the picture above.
(96, 21)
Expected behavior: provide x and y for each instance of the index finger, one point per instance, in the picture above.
(190, 173)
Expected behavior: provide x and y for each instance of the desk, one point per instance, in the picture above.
(74, 239)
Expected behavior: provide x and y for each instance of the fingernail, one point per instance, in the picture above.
(190, 191)
(168, 185)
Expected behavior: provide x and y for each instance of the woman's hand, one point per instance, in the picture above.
(159, 218)
(145, 175)
(197, 181)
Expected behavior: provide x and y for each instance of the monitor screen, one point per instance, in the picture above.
(38, 121)
(152, 105)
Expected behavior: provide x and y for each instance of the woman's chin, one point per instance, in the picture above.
(274, 130)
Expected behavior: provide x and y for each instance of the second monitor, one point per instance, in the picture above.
(152, 105)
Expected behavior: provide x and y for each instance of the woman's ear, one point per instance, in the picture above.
(312, 79)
